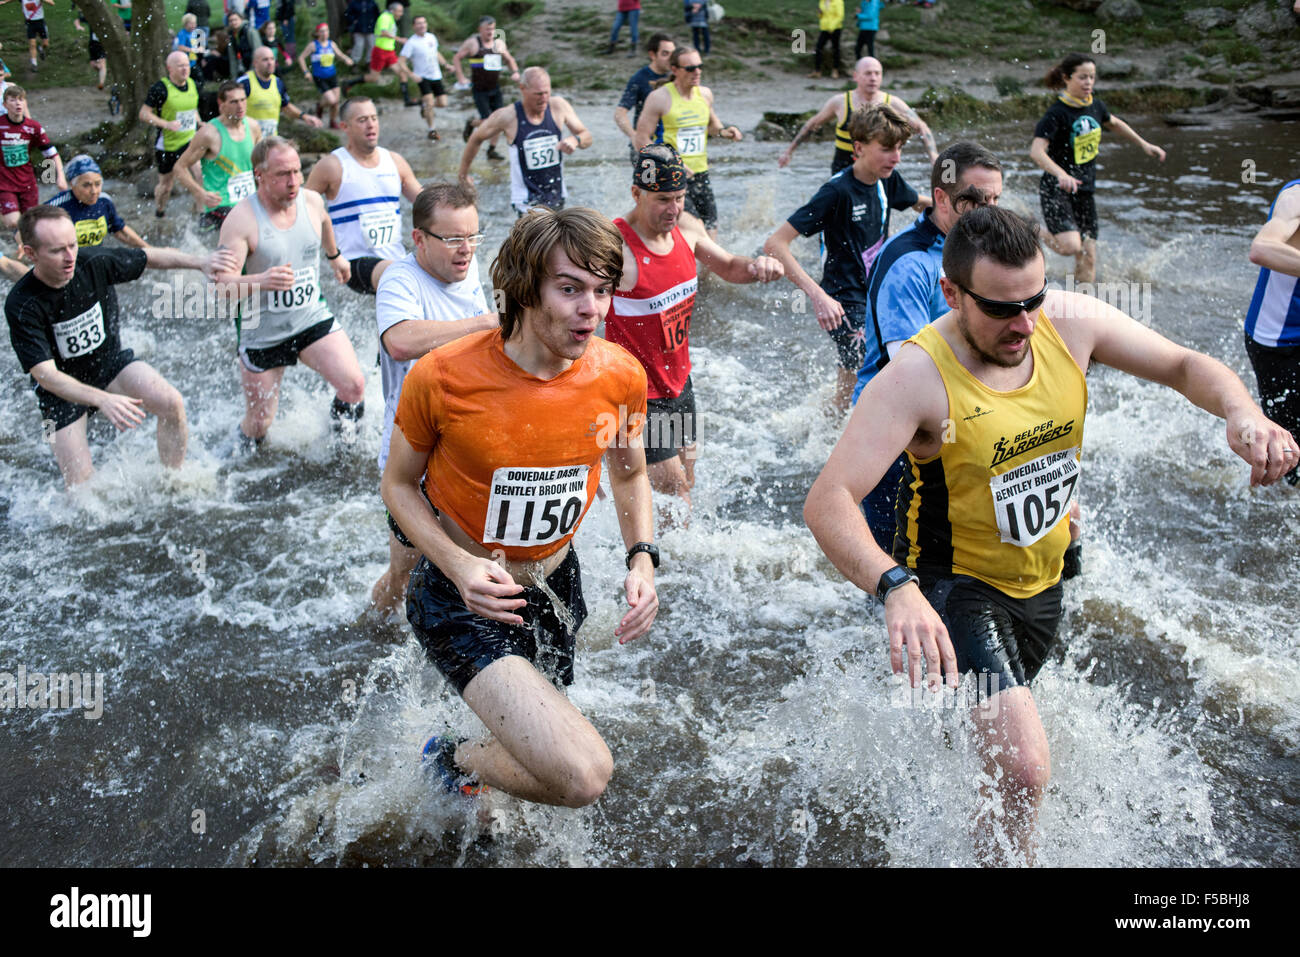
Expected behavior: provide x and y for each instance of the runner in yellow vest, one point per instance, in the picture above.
(267, 96)
(686, 110)
(172, 105)
(867, 76)
(988, 401)
(384, 55)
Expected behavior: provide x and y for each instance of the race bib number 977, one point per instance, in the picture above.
(1030, 499)
(529, 507)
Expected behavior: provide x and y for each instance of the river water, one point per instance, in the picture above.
(253, 714)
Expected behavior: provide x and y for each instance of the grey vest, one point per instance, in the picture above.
(280, 315)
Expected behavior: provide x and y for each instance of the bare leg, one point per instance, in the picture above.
(1085, 268)
(163, 191)
(390, 591)
(261, 399)
(377, 273)
(542, 749)
(72, 453)
(426, 109)
(1016, 756)
(670, 476)
(160, 398)
(843, 396)
(1063, 244)
(333, 357)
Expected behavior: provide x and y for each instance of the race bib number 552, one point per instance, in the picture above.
(1030, 499)
(529, 507)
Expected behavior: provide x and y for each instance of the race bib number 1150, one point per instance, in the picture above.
(529, 507)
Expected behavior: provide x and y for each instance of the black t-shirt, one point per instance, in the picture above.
(637, 89)
(850, 215)
(1073, 135)
(77, 325)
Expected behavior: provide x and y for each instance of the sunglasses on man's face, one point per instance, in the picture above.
(692, 68)
(1006, 309)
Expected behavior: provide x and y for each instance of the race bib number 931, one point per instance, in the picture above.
(1030, 499)
(529, 507)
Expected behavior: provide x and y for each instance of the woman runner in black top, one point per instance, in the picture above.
(1066, 141)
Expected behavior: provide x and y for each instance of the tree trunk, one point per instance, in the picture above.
(135, 59)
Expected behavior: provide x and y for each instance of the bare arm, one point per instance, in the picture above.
(196, 150)
(830, 111)
(455, 60)
(147, 115)
(413, 337)
(410, 185)
(235, 233)
(1038, 153)
(630, 487)
(164, 257)
(1272, 247)
(484, 585)
(326, 176)
(651, 114)
(1115, 339)
(1123, 129)
(623, 120)
(581, 135)
(716, 125)
(498, 122)
(129, 236)
(904, 402)
(830, 314)
(329, 245)
(918, 125)
(728, 266)
(505, 55)
(122, 410)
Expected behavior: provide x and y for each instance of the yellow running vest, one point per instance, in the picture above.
(686, 128)
(264, 104)
(842, 139)
(994, 502)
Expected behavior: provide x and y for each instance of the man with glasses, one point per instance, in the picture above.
(685, 108)
(903, 290)
(276, 237)
(537, 144)
(425, 300)
(363, 183)
(989, 402)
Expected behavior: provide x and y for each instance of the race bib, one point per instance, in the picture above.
(1029, 500)
(1087, 146)
(492, 61)
(188, 119)
(81, 335)
(91, 232)
(380, 226)
(676, 320)
(268, 127)
(304, 292)
(541, 152)
(530, 507)
(16, 154)
(326, 60)
(690, 141)
(240, 186)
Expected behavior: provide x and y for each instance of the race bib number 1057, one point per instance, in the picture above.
(529, 507)
(1030, 499)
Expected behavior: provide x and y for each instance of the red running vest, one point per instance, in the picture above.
(652, 320)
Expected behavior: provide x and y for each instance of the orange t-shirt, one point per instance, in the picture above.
(514, 459)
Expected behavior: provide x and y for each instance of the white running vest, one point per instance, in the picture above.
(367, 212)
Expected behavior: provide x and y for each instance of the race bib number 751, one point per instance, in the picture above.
(528, 507)
(1030, 499)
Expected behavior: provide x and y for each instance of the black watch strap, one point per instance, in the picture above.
(895, 577)
(647, 547)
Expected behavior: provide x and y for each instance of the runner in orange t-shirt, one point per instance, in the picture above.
(511, 426)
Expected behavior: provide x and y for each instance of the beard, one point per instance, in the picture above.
(975, 347)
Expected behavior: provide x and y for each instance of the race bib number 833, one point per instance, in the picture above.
(530, 507)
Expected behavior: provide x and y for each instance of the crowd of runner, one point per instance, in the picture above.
(951, 496)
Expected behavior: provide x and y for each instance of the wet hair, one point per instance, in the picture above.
(1057, 75)
(28, 220)
(656, 41)
(988, 232)
(954, 161)
(523, 263)
(262, 151)
(880, 124)
(446, 195)
(226, 87)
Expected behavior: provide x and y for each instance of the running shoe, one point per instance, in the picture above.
(433, 135)
(492, 154)
(440, 753)
(468, 131)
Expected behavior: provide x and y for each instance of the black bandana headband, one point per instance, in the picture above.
(659, 169)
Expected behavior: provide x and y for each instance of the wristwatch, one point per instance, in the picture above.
(648, 548)
(896, 576)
